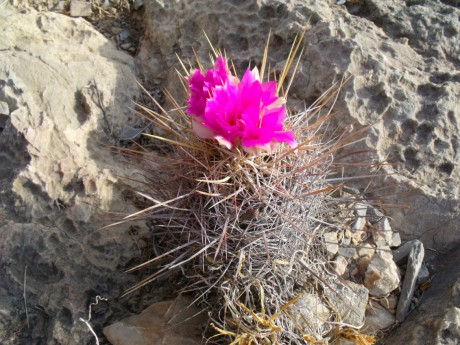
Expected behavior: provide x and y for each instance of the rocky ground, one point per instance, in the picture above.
(67, 78)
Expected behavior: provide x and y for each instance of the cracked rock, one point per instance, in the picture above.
(382, 275)
(414, 263)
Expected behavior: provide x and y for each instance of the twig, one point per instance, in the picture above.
(86, 322)
(25, 297)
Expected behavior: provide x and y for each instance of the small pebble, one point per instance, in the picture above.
(332, 244)
(4, 109)
(80, 8)
(340, 265)
(126, 46)
(396, 240)
(124, 35)
(346, 241)
(347, 252)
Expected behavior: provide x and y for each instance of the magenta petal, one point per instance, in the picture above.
(285, 137)
(274, 118)
(201, 130)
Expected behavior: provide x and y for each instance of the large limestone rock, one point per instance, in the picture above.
(68, 92)
(403, 57)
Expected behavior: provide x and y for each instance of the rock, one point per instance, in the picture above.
(390, 303)
(436, 320)
(310, 314)
(382, 275)
(377, 318)
(124, 35)
(347, 252)
(59, 7)
(414, 263)
(4, 113)
(423, 275)
(395, 240)
(366, 249)
(340, 265)
(69, 93)
(346, 241)
(129, 133)
(374, 215)
(360, 218)
(4, 109)
(80, 8)
(404, 83)
(382, 233)
(350, 301)
(126, 46)
(170, 322)
(332, 244)
(401, 254)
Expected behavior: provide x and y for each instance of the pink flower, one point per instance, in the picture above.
(233, 112)
(202, 86)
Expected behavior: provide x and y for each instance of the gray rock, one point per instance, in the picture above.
(124, 35)
(436, 320)
(382, 275)
(130, 133)
(401, 254)
(350, 302)
(414, 263)
(402, 68)
(423, 275)
(347, 252)
(170, 322)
